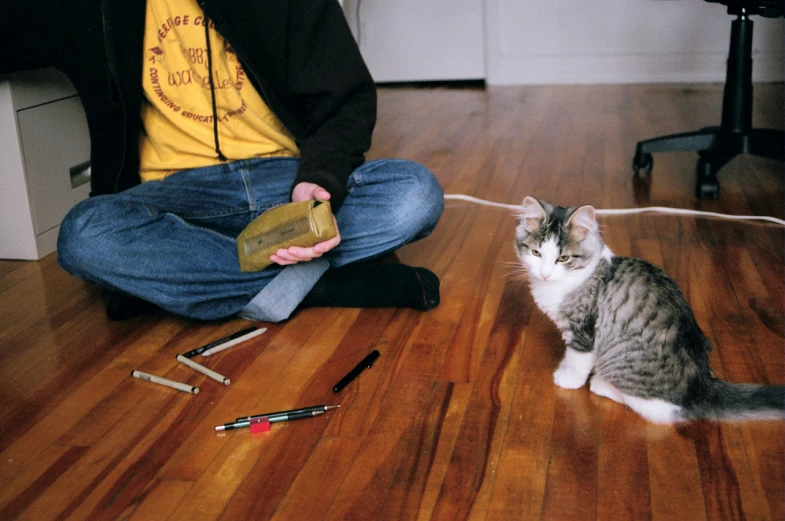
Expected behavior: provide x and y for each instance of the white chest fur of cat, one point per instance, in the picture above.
(626, 325)
(553, 283)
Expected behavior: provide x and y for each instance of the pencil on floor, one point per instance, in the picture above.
(234, 342)
(165, 381)
(199, 350)
(204, 370)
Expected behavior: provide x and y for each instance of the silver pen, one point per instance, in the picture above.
(295, 414)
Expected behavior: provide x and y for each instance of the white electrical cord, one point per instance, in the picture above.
(627, 211)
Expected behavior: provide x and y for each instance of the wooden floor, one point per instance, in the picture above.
(459, 418)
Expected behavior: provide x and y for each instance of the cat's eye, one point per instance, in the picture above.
(563, 258)
(536, 253)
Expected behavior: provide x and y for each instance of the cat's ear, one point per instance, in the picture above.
(532, 213)
(583, 221)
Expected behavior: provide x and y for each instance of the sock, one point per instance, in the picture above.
(122, 307)
(375, 286)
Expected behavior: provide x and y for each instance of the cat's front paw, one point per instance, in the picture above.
(568, 378)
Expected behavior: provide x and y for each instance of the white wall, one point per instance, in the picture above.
(419, 40)
(563, 41)
(619, 41)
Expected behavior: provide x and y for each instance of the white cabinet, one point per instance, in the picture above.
(44, 160)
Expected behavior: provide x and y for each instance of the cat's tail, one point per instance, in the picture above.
(737, 402)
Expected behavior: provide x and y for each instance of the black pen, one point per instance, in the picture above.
(199, 350)
(354, 373)
(274, 418)
(322, 408)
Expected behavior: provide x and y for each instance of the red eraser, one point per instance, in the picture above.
(262, 425)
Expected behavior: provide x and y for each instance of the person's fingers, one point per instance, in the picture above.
(324, 247)
(301, 254)
(321, 194)
(308, 191)
(278, 260)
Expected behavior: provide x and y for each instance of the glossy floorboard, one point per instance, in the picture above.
(459, 418)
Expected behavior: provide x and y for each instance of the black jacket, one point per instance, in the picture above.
(299, 54)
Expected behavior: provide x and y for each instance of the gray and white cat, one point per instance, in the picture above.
(626, 324)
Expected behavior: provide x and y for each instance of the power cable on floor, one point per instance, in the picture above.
(629, 211)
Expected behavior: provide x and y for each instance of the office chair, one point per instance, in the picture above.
(735, 135)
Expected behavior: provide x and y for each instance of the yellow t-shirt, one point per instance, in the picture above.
(177, 114)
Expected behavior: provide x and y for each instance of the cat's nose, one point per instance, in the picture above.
(545, 276)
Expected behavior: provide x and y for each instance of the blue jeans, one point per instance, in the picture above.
(172, 242)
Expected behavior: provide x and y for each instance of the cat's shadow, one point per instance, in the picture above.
(588, 416)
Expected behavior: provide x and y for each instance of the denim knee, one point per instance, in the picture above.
(75, 244)
(420, 201)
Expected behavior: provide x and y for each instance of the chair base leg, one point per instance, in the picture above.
(718, 145)
(715, 147)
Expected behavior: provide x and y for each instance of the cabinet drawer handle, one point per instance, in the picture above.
(80, 174)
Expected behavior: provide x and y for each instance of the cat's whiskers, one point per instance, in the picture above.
(509, 264)
(516, 271)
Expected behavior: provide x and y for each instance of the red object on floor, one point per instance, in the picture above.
(260, 425)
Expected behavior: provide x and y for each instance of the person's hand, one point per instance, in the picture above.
(295, 254)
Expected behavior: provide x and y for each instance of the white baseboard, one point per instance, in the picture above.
(652, 68)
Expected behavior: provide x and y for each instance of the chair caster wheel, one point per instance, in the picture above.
(707, 190)
(706, 186)
(642, 164)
